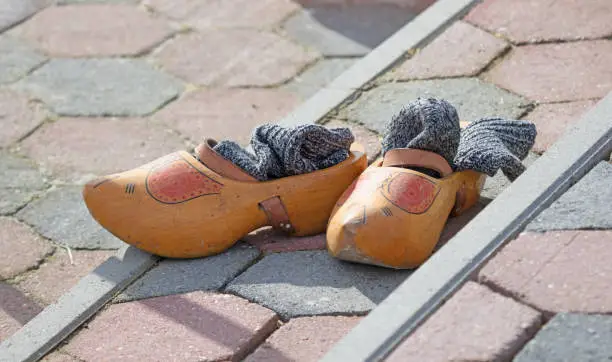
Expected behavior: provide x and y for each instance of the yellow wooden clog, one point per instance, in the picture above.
(182, 207)
(393, 216)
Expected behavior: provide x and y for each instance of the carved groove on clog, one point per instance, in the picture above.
(411, 193)
(177, 181)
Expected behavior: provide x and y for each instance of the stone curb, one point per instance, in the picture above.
(59, 320)
(582, 146)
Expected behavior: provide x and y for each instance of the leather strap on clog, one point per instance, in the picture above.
(277, 214)
(408, 157)
(217, 163)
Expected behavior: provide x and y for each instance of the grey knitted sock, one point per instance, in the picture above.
(490, 144)
(427, 124)
(281, 152)
(486, 145)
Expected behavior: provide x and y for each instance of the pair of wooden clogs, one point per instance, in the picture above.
(180, 206)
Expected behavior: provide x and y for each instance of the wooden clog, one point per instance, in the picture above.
(393, 216)
(182, 207)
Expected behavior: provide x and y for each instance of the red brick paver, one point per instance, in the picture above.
(240, 58)
(552, 120)
(20, 247)
(58, 274)
(462, 50)
(187, 327)
(476, 324)
(18, 116)
(79, 146)
(269, 240)
(568, 271)
(15, 310)
(531, 21)
(303, 339)
(96, 29)
(219, 14)
(226, 114)
(59, 357)
(557, 72)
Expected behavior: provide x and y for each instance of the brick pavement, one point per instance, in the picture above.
(91, 87)
(89, 112)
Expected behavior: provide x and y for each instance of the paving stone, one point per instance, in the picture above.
(306, 283)
(226, 114)
(269, 240)
(74, 147)
(189, 327)
(462, 50)
(556, 271)
(15, 310)
(495, 185)
(533, 21)
(585, 206)
(571, 337)
(368, 139)
(19, 182)
(20, 247)
(474, 325)
(347, 30)
(69, 2)
(206, 15)
(101, 87)
(16, 59)
(60, 273)
(534, 71)
(318, 76)
(59, 357)
(18, 117)
(94, 30)
(303, 339)
(473, 99)
(62, 216)
(15, 11)
(552, 120)
(250, 58)
(182, 276)
(416, 6)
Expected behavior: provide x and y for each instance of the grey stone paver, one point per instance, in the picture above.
(312, 283)
(472, 97)
(61, 215)
(18, 116)
(347, 30)
(16, 59)
(571, 337)
(318, 76)
(497, 184)
(101, 87)
(183, 276)
(19, 182)
(14, 11)
(585, 206)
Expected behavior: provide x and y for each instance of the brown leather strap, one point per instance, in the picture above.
(408, 157)
(277, 214)
(219, 164)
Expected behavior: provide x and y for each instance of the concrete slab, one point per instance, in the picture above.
(585, 206)
(472, 97)
(183, 276)
(571, 337)
(307, 283)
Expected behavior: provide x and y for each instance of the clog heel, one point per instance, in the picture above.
(393, 215)
(180, 206)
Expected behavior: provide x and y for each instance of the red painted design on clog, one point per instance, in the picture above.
(178, 181)
(410, 192)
